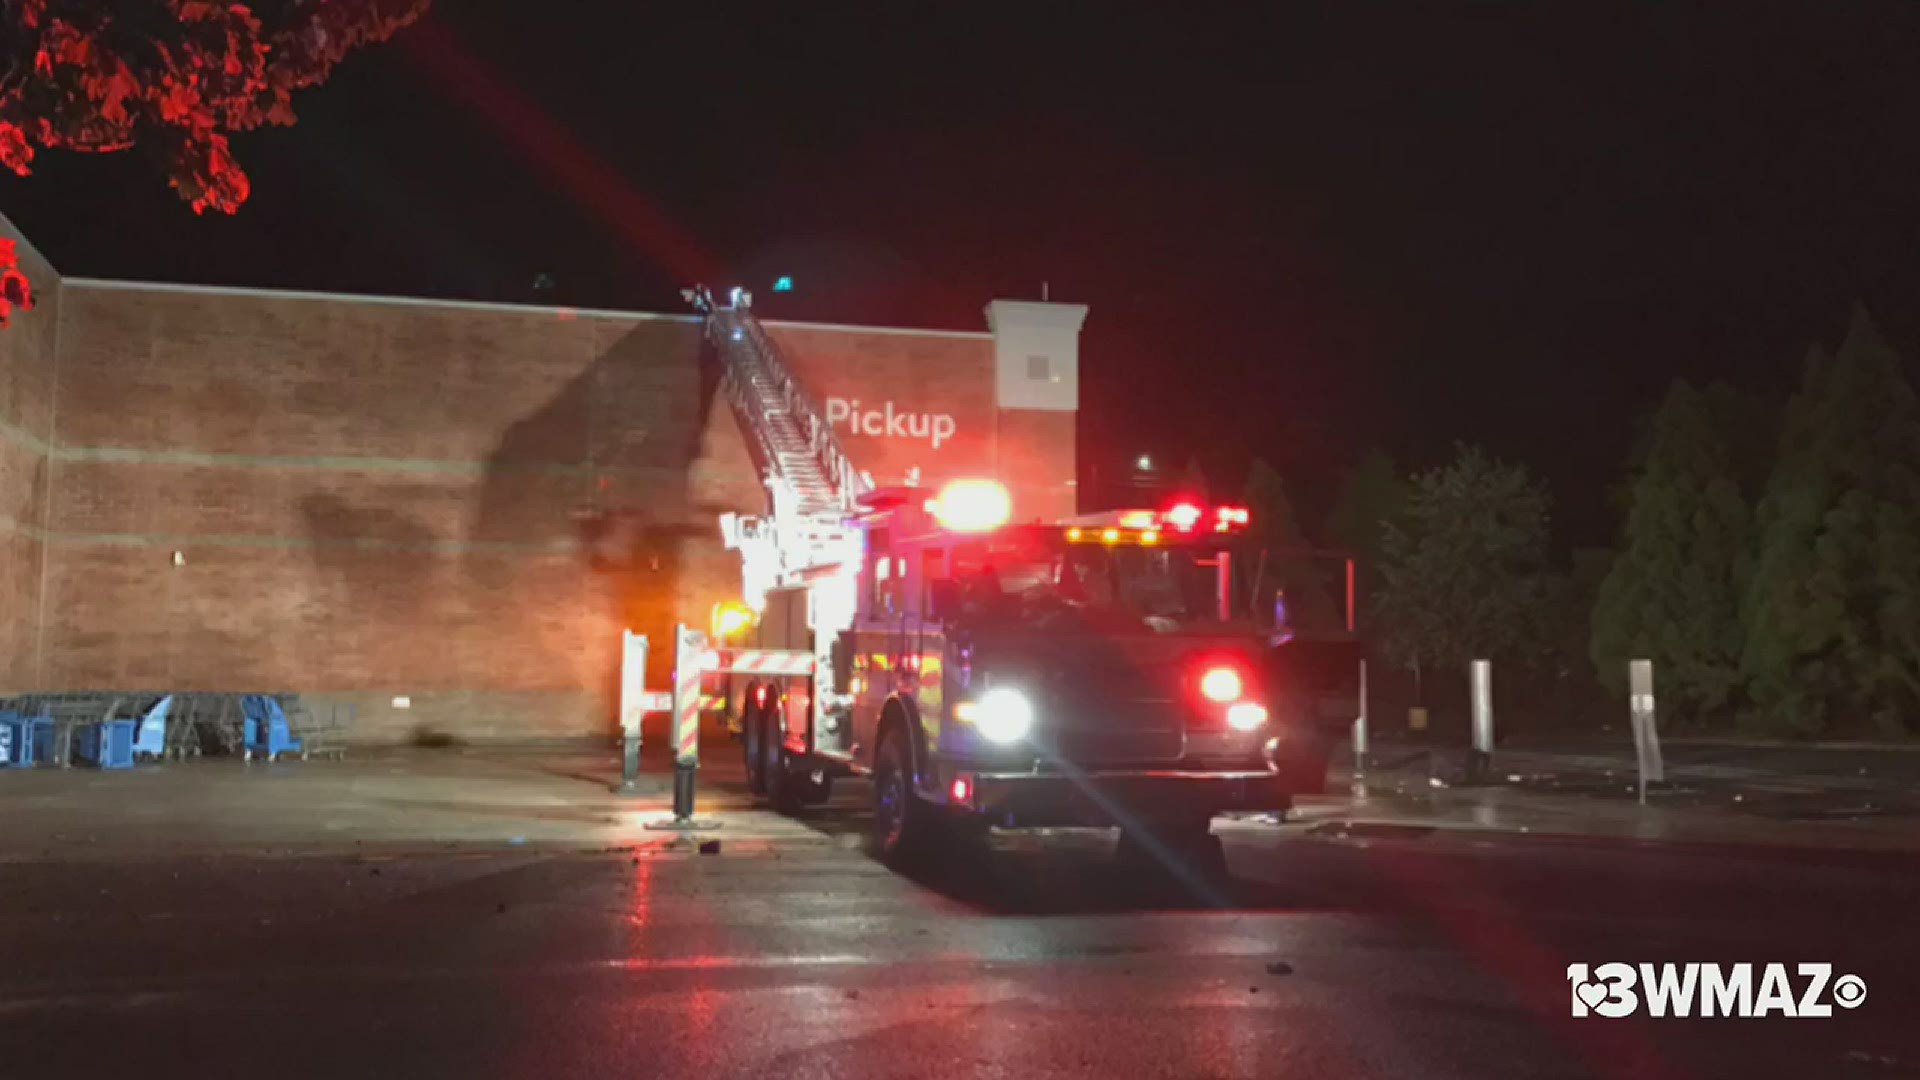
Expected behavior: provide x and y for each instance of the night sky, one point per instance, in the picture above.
(1301, 233)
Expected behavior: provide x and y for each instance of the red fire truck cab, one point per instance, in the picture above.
(1120, 669)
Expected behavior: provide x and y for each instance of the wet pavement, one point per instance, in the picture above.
(505, 915)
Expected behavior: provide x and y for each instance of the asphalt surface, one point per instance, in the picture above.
(1383, 952)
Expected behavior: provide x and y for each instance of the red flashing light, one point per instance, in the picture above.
(973, 506)
(961, 790)
(1183, 516)
(1222, 685)
(760, 695)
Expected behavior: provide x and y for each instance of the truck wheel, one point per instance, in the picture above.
(902, 825)
(751, 738)
(775, 768)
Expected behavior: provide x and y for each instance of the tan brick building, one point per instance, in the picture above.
(367, 498)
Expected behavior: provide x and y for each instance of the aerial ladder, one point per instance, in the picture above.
(812, 486)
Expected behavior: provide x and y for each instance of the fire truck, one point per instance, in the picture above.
(1125, 668)
(1098, 671)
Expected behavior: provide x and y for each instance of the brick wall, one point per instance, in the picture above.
(362, 499)
(371, 499)
(27, 353)
(922, 375)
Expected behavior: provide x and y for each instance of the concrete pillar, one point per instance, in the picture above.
(1036, 362)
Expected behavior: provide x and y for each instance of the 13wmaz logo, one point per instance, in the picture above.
(1725, 990)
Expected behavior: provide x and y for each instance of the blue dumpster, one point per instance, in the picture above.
(107, 744)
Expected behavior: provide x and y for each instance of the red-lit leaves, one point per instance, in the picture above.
(181, 75)
(15, 292)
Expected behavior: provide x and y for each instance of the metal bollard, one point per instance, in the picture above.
(1646, 736)
(1360, 728)
(1480, 758)
(633, 686)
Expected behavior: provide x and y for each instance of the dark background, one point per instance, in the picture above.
(1301, 233)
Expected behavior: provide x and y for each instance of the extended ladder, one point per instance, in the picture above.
(811, 484)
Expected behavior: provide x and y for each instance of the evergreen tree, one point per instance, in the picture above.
(1370, 496)
(1833, 608)
(1673, 593)
(1270, 511)
(1464, 565)
(1284, 565)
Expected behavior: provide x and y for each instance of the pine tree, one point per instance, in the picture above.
(1372, 494)
(1672, 594)
(1833, 609)
(1270, 511)
(1464, 566)
(1284, 564)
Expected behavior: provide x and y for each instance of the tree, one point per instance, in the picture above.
(1270, 512)
(1833, 608)
(1284, 564)
(1370, 496)
(1464, 565)
(1672, 594)
(177, 76)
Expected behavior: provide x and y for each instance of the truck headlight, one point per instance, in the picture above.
(1002, 715)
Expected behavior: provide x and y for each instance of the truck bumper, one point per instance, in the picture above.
(1021, 800)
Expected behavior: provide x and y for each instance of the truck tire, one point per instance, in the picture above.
(751, 736)
(903, 826)
(790, 783)
(775, 767)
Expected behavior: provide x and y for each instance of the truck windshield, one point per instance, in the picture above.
(1160, 588)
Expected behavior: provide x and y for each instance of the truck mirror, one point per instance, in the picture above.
(943, 595)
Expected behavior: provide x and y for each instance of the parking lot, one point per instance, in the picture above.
(491, 912)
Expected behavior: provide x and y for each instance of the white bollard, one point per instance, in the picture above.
(1480, 759)
(1360, 727)
(633, 688)
(1646, 735)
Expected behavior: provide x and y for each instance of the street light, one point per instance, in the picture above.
(1144, 463)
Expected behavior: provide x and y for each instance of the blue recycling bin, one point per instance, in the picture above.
(42, 734)
(107, 744)
(16, 741)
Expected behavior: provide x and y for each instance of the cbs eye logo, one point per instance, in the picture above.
(1849, 991)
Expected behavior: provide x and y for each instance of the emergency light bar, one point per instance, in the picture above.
(972, 506)
(1184, 517)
